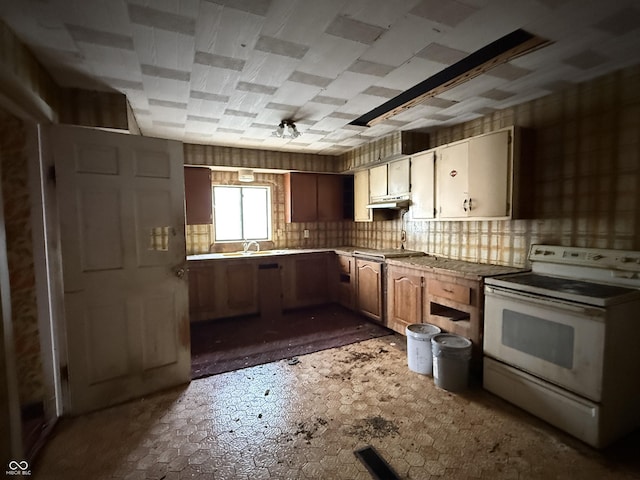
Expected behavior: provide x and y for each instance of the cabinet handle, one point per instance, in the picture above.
(464, 205)
(447, 290)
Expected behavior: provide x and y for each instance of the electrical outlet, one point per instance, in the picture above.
(305, 234)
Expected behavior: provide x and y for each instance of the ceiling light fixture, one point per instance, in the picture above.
(512, 45)
(290, 132)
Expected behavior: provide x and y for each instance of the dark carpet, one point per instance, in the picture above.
(225, 345)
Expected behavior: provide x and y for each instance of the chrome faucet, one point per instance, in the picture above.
(247, 245)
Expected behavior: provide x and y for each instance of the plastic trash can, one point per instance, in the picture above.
(419, 357)
(451, 355)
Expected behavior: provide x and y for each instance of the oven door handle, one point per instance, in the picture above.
(554, 304)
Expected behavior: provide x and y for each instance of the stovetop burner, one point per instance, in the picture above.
(567, 285)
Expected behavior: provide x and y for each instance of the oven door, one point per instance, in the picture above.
(558, 341)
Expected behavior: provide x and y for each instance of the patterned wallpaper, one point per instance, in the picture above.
(20, 258)
(585, 179)
(214, 155)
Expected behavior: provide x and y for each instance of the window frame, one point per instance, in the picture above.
(269, 212)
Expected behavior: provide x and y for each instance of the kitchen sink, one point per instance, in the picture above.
(251, 253)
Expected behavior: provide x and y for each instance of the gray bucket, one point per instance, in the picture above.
(419, 357)
(451, 355)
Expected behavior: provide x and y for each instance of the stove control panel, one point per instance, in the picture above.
(626, 260)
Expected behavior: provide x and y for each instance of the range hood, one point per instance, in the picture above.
(390, 202)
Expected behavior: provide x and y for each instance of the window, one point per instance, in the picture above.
(241, 213)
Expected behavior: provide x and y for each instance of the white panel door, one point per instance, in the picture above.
(422, 185)
(121, 204)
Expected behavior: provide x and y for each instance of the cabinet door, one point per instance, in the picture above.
(203, 303)
(489, 175)
(398, 177)
(301, 198)
(369, 288)
(330, 197)
(452, 182)
(405, 299)
(197, 194)
(240, 281)
(422, 186)
(378, 181)
(346, 277)
(361, 197)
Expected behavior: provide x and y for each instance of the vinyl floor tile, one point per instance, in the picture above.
(303, 421)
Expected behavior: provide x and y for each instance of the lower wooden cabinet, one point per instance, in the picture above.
(405, 297)
(345, 275)
(369, 289)
(222, 288)
(244, 286)
(306, 279)
(426, 295)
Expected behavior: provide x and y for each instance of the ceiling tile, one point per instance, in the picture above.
(586, 60)
(219, 61)
(239, 113)
(345, 27)
(328, 100)
(107, 39)
(439, 102)
(162, 72)
(620, 23)
(164, 20)
(256, 88)
(496, 94)
(382, 92)
(508, 71)
(167, 103)
(257, 7)
(441, 54)
(309, 79)
(280, 47)
(370, 68)
(166, 123)
(450, 13)
(212, 97)
(199, 118)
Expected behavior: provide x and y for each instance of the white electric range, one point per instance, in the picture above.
(563, 341)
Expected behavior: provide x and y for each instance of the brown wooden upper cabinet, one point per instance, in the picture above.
(197, 193)
(312, 197)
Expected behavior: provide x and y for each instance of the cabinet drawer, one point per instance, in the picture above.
(451, 291)
(344, 264)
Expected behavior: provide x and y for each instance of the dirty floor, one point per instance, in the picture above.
(303, 421)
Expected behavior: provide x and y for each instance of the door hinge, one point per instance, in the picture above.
(64, 373)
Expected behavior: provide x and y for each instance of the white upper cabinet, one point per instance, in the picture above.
(398, 177)
(378, 181)
(390, 180)
(474, 177)
(422, 186)
(361, 197)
